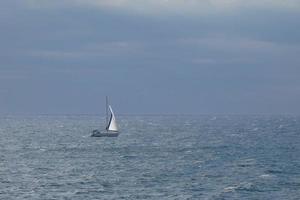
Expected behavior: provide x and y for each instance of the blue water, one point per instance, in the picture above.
(155, 157)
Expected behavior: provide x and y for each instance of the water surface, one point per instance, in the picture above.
(155, 157)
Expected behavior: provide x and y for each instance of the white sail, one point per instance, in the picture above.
(112, 125)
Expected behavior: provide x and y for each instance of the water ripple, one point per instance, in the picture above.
(157, 157)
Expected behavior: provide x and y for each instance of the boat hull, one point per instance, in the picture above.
(97, 133)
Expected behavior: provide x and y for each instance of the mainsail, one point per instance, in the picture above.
(112, 125)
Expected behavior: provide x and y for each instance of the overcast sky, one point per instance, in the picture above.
(150, 56)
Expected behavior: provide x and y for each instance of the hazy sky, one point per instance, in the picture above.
(150, 56)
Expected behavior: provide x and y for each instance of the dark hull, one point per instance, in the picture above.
(97, 133)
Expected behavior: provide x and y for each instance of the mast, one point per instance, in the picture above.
(107, 111)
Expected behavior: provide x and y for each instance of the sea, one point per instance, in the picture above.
(155, 157)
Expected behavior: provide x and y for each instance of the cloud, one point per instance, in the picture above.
(185, 7)
(238, 44)
(104, 49)
(238, 50)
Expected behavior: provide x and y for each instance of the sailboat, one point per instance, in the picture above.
(111, 129)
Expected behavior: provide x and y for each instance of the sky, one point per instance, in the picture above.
(150, 56)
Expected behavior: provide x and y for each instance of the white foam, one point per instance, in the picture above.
(230, 189)
(265, 176)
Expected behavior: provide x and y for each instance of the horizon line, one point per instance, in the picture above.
(145, 114)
